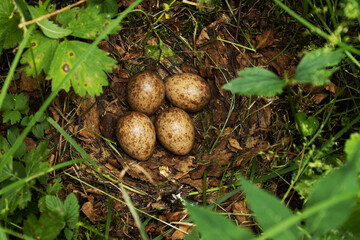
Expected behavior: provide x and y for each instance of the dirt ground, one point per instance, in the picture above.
(235, 135)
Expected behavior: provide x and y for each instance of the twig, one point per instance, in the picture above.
(21, 25)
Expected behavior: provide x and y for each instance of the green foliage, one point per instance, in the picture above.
(88, 77)
(15, 106)
(49, 28)
(316, 67)
(28, 164)
(256, 81)
(41, 52)
(308, 125)
(269, 211)
(212, 226)
(325, 212)
(10, 34)
(47, 47)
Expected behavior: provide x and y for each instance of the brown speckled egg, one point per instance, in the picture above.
(136, 135)
(145, 92)
(187, 91)
(175, 131)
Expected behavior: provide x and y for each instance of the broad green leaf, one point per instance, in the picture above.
(71, 210)
(353, 222)
(68, 233)
(213, 226)
(89, 76)
(21, 103)
(308, 125)
(49, 28)
(10, 103)
(2, 234)
(10, 34)
(269, 211)
(41, 51)
(47, 227)
(12, 135)
(337, 183)
(36, 159)
(352, 149)
(109, 7)
(315, 67)
(54, 204)
(85, 23)
(256, 81)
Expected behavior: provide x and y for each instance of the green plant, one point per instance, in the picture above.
(330, 206)
(50, 50)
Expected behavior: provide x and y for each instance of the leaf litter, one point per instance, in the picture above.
(254, 135)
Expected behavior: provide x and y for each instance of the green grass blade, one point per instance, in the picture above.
(39, 113)
(22, 181)
(14, 64)
(133, 212)
(72, 142)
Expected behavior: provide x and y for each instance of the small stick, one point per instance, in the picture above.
(21, 25)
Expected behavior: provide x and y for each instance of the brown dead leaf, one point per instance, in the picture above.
(179, 234)
(88, 209)
(197, 184)
(234, 145)
(240, 208)
(266, 39)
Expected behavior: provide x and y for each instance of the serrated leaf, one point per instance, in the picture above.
(85, 23)
(36, 159)
(49, 28)
(12, 116)
(47, 227)
(54, 204)
(315, 67)
(43, 50)
(256, 81)
(10, 34)
(71, 210)
(89, 76)
(338, 182)
(54, 188)
(269, 211)
(213, 226)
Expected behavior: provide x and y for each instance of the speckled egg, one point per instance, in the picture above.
(136, 135)
(175, 131)
(187, 91)
(145, 92)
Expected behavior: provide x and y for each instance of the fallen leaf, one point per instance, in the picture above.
(266, 39)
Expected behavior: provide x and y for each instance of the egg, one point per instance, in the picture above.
(136, 135)
(145, 92)
(187, 91)
(175, 131)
